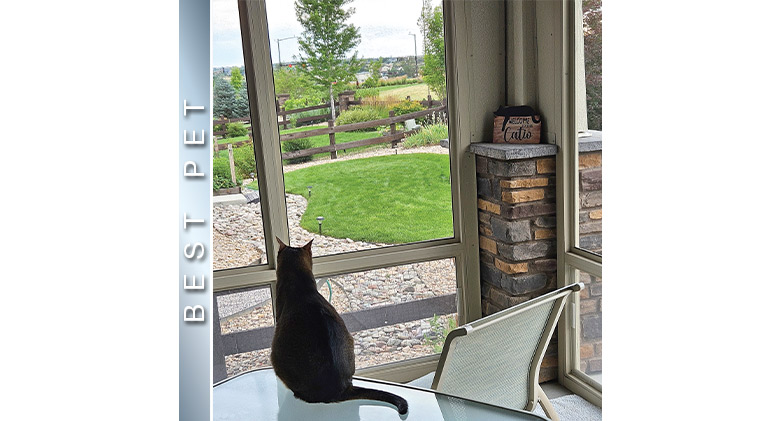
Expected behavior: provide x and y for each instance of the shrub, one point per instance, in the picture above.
(297, 145)
(428, 135)
(302, 102)
(236, 129)
(244, 161)
(221, 182)
(406, 107)
(221, 173)
(359, 115)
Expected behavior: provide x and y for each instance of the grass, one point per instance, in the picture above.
(388, 199)
(416, 92)
(428, 135)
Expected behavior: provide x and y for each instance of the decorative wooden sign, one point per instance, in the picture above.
(517, 125)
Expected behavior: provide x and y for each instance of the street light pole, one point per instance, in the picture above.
(416, 70)
(279, 50)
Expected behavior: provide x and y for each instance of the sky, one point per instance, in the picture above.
(384, 29)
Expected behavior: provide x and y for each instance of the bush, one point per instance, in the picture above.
(302, 102)
(428, 135)
(244, 161)
(221, 182)
(359, 115)
(297, 145)
(236, 129)
(221, 173)
(406, 107)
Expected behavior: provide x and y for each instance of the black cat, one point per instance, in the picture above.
(312, 351)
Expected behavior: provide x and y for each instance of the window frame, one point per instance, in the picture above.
(570, 256)
(463, 246)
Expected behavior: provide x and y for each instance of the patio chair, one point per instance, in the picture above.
(496, 359)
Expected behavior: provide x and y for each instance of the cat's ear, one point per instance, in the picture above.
(282, 246)
(307, 247)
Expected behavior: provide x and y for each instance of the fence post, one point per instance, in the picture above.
(344, 99)
(332, 137)
(232, 165)
(394, 143)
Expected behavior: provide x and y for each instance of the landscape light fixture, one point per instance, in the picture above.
(309, 187)
(319, 220)
(252, 175)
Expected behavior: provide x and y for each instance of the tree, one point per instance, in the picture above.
(236, 78)
(325, 43)
(297, 83)
(431, 23)
(374, 68)
(591, 26)
(241, 105)
(224, 98)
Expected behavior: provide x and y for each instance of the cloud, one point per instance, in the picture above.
(384, 27)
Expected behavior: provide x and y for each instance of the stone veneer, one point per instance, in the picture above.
(590, 192)
(590, 239)
(517, 246)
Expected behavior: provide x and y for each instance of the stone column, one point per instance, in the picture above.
(517, 241)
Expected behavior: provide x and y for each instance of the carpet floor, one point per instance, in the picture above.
(573, 408)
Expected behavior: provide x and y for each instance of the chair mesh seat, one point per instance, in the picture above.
(494, 364)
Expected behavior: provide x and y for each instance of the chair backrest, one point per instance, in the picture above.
(496, 359)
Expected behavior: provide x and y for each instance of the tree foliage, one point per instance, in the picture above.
(241, 105)
(224, 98)
(236, 78)
(591, 26)
(297, 83)
(326, 42)
(431, 23)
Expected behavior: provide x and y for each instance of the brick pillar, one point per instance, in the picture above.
(517, 238)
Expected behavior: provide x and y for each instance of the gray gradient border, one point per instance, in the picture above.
(195, 201)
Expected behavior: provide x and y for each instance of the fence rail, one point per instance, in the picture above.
(252, 340)
(436, 109)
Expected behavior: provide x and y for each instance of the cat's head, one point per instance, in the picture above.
(294, 257)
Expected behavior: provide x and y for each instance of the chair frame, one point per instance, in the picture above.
(535, 392)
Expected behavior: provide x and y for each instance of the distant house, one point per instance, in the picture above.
(361, 77)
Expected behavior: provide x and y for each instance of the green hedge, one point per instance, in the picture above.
(359, 115)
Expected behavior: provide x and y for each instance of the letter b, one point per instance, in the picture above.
(191, 314)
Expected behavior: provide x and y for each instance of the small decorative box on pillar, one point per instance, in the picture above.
(517, 239)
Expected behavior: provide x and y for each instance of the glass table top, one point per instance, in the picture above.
(260, 395)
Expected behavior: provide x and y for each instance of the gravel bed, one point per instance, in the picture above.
(369, 153)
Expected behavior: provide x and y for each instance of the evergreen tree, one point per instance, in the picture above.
(431, 24)
(224, 98)
(241, 106)
(325, 43)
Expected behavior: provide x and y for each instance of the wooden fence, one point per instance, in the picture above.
(393, 136)
(260, 338)
(437, 110)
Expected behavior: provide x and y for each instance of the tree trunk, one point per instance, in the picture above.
(332, 104)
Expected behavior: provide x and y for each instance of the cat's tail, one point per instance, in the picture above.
(356, 392)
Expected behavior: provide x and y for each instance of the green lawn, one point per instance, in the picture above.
(388, 199)
(417, 92)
